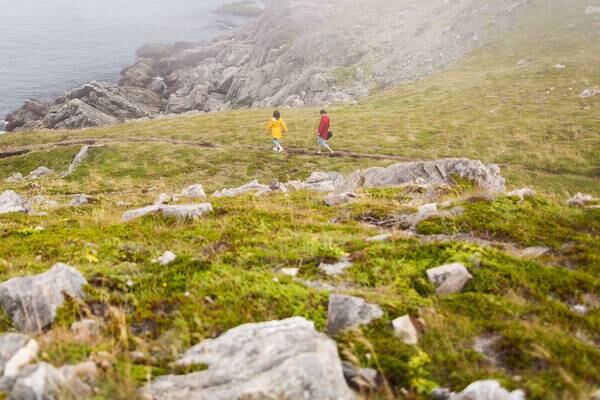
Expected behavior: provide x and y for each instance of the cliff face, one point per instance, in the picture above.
(295, 53)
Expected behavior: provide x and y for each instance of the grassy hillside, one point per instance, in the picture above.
(529, 118)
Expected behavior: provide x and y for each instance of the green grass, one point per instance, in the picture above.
(227, 268)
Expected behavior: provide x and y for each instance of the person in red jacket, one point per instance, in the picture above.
(323, 133)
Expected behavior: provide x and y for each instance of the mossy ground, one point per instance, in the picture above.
(528, 118)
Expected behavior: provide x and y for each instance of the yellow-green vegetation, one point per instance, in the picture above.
(528, 118)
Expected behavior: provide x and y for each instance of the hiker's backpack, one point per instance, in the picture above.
(329, 135)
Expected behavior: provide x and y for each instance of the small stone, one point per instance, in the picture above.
(167, 258)
(360, 379)
(580, 309)
(163, 198)
(560, 66)
(380, 238)
(488, 390)
(428, 209)
(39, 173)
(16, 351)
(276, 280)
(534, 252)
(337, 268)
(81, 200)
(589, 93)
(338, 199)
(522, 193)
(449, 279)
(137, 356)
(130, 283)
(293, 272)
(194, 191)
(580, 200)
(14, 178)
(86, 330)
(345, 312)
(39, 228)
(405, 330)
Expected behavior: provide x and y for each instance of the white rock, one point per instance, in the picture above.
(167, 258)
(81, 200)
(428, 209)
(40, 172)
(11, 202)
(139, 213)
(252, 187)
(591, 92)
(579, 200)
(337, 268)
(345, 312)
(335, 199)
(163, 198)
(449, 279)
(488, 390)
(380, 238)
(285, 359)
(293, 272)
(405, 329)
(580, 309)
(180, 212)
(560, 66)
(14, 178)
(16, 350)
(534, 252)
(32, 301)
(79, 158)
(522, 193)
(194, 191)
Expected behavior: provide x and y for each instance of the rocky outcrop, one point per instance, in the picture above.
(346, 312)
(295, 53)
(285, 359)
(179, 212)
(449, 278)
(11, 202)
(32, 301)
(486, 176)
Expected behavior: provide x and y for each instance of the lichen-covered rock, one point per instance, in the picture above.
(11, 202)
(449, 279)
(486, 176)
(16, 350)
(32, 301)
(488, 390)
(285, 359)
(346, 312)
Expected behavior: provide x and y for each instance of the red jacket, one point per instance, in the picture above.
(324, 127)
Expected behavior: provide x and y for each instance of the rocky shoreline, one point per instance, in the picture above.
(295, 53)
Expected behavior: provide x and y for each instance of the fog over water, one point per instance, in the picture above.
(48, 46)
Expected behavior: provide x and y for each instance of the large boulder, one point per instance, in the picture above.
(486, 176)
(11, 202)
(32, 301)
(346, 312)
(16, 350)
(488, 390)
(285, 359)
(449, 278)
(29, 116)
(75, 114)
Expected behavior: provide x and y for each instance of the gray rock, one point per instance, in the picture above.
(81, 200)
(591, 92)
(428, 209)
(488, 390)
(40, 172)
(14, 178)
(346, 312)
(360, 379)
(79, 158)
(449, 279)
(16, 350)
(167, 258)
(534, 252)
(29, 116)
(293, 272)
(252, 187)
(194, 191)
(340, 198)
(440, 394)
(486, 176)
(163, 198)
(11, 202)
(522, 193)
(32, 301)
(278, 359)
(580, 200)
(180, 212)
(405, 330)
(319, 182)
(76, 114)
(337, 268)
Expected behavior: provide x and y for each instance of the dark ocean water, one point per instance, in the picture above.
(49, 46)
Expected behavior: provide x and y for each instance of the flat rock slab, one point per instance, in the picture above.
(322, 182)
(11, 202)
(486, 176)
(252, 187)
(285, 359)
(40, 172)
(31, 301)
(334, 199)
(346, 312)
(488, 390)
(16, 350)
(449, 279)
(180, 212)
(337, 268)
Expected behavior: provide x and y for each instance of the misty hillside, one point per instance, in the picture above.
(450, 249)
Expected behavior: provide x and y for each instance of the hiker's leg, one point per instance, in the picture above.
(320, 143)
(276, 145)
(323, 143)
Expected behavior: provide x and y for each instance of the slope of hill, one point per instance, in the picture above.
(528, 318)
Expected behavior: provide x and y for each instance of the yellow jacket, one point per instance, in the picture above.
(277, 126)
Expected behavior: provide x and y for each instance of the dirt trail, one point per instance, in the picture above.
(17, 151)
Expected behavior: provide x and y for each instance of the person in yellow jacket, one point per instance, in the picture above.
(277, 127)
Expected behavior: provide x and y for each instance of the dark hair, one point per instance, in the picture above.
(276, 114)
(323, 112)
